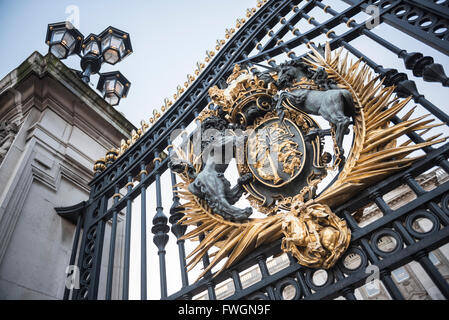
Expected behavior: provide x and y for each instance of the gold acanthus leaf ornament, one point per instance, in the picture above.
(311, 232)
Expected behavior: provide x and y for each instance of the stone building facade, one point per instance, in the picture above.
(53, 126)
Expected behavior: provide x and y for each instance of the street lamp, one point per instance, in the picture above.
(110, 46)
(91, 59)
(114, 86)
(63, 39)
(115, 45)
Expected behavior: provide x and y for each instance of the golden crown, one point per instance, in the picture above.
(242, 88)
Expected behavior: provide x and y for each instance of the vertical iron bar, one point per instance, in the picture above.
(160, 229)
(76, 295)
(300, 278)
(74, 250)
(443, 163)
(302, 284)
(93, 292)
(236, 280)
(347, 292)
(182, 263)
(385, 274)
(211, 291)
(110, 275)
(127, 257)
(206, 262)
(351, 221)
(415, 137)
(264, 270)
(143, 235)
(98, 252)
(177, 229)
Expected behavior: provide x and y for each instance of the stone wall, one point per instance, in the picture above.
(63, 126)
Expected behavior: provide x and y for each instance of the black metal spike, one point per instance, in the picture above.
(435, 73)
(406, 88)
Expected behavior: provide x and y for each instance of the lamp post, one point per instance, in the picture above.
(110, 46)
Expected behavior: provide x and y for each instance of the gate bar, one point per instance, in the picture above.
(129, 186)
(112, 246)
(143, 236)
(160, 228)
(74, 251)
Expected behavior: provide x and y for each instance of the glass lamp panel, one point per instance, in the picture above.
(95, 49)
(87, 48)
(111, 56)
(58, 50)
(119, 88)
(105, 43)
(57, 35)
(112, 99)
(68, 40)
(116, 42)
(122, 49)
(92, 47)
(109, 86)
(71, 49)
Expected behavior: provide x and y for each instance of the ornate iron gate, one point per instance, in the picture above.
(145, 163)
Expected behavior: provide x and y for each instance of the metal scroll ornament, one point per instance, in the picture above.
(280, 158)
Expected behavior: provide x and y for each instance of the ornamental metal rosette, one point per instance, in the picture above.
(281, 159)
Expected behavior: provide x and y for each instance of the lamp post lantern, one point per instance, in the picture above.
(111, 46)
(115, 45)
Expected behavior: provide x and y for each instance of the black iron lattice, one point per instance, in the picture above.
(424, 20)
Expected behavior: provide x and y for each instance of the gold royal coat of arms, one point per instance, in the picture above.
(264, 120)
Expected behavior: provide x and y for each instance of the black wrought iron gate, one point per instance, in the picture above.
(270, 34)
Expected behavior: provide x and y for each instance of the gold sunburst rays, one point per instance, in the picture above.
(374, 154)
